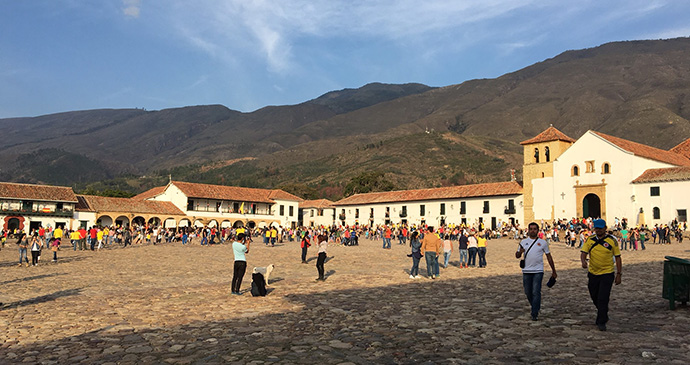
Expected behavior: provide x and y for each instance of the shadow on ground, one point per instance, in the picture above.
(476, 320)
(43, 298)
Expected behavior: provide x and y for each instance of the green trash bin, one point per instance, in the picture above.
(676, 281)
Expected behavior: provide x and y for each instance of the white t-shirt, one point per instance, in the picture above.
(534, 262)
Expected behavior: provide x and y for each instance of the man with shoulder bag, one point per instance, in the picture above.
(532, 266)
(602, 249)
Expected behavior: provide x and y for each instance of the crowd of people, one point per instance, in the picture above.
(471, 239)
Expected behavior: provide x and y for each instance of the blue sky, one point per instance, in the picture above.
(62, 55)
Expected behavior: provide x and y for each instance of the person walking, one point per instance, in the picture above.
(305, 246)
(322, 245)
(240, 247)
(23, 243)
(36, 246)
(416, 254)
(431, 249)
(534, 249)
(447, 250)
(54, 246)
(602, 249)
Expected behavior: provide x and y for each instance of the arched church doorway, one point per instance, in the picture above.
(591, 206)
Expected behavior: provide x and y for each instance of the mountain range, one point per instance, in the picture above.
(414, 135)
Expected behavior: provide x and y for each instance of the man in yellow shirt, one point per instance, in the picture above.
(603, 250)
(58, 233)
(74, 238)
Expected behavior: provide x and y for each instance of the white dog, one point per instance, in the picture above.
(266, 271)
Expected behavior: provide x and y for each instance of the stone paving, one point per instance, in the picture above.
(171, 304)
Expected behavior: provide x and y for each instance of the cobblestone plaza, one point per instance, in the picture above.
(171, 304)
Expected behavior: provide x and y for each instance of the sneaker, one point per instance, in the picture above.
(433, 277)
(417, 277)
(601, 327)
(534, 318)
(411, 276)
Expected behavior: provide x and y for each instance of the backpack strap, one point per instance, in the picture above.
(601, 242)
(530, 247)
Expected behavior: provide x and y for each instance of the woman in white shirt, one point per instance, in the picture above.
(321, 260)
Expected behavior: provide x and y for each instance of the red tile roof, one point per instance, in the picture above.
(94, 203)
(682, 148)
(318, 203)
(37, 192)
(550, 134)
(663, 175)
(283, 195)
(222, 192)
(451, 192)
(148, 194)
(645, 151)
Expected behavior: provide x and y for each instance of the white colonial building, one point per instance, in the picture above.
(27, 206)
(603, 176)
(491, 204)
(319, 212)
(225, 206)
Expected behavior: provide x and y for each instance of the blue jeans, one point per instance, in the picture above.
(482, 256)
(204, 239)
(74, 245)
(22, 254)
(473, 256)
(414, 271)
(532, 285)
(386, 242)
(431, 263)
(463, 257)
(446, 257)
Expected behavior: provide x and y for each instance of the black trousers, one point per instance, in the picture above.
(304, 253)
(319, 264)
(238, 275)
(34, 257)
(600, 290)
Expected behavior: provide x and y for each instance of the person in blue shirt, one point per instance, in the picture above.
(240, 247)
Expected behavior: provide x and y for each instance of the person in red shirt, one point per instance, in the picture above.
(93, 234)
(82, 239)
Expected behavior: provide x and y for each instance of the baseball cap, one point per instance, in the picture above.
(599, 223)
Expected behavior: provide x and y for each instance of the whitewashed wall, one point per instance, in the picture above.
(672, 197)
(432, 216)
(625, 167)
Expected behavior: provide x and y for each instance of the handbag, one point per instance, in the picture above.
(522, 262)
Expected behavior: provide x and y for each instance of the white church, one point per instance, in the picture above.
(604, 176)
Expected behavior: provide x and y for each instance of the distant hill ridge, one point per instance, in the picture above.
(638, 90)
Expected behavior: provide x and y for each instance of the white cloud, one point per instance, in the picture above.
(132, 8)
(269, 29)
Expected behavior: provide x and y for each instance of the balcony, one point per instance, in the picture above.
(37, 213)
(341, 217)
(403, 214)
(509, 211)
